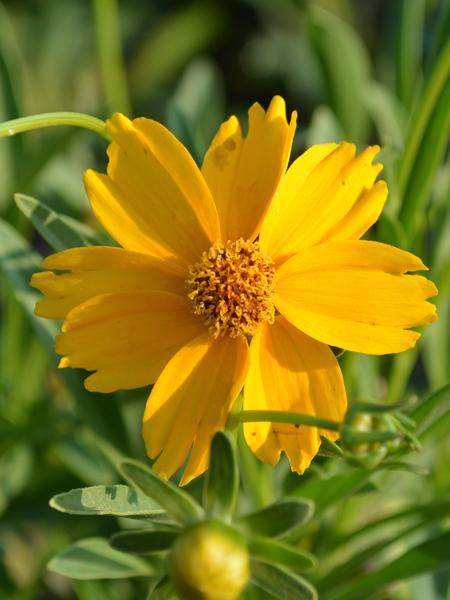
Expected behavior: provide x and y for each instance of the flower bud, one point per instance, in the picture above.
(209, 561)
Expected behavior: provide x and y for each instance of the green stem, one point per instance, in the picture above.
(280, 416)
(9, 128)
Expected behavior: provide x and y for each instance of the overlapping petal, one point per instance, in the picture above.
(289, 371)
(356, 295)
(97, 270)
(324, 195)
(243, 173)
(154, 198)
(127, 338)
(191, 400)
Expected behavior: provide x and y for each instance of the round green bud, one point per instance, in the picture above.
(209, 561)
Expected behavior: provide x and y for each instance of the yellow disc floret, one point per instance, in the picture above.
(231, 287)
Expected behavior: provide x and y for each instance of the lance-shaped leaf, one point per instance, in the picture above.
(178, 504)
(58, 230)
(222, 479)
(427, 556)
(281, 583)
(143, 541)
(282, 554)
(277, 519)
(431, 411)
(93, 558)
(114, 500)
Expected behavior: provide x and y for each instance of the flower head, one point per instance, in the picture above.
(238, 275)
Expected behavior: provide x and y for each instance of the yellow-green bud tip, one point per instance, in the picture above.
(209, 561)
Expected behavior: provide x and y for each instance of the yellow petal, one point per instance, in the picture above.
(154, 198)
(289, 371)
(295, 179)
(98, 270)
(355, 295)
(243, 173)
(318, 192)
(363, 214)
(126, 337)
(191, 400)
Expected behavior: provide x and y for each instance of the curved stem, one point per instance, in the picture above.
(9, 128)
(280, 416)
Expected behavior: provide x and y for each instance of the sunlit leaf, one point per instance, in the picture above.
(178, 504)
(93, 558)
(58, 230)
(116, 500)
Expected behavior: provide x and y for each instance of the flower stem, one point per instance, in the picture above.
(9, 128)
(280, 416)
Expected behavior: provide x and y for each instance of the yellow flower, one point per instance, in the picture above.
(236, 275)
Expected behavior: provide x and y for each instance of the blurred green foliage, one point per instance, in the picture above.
(366, 71)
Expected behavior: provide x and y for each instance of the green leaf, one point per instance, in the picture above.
(222, 478)
(277, 519)
(93, 558)
(427, 556)
(403, 524)
(143, 541)
(181, 506)
(325, 492)
(283, 554)
(329, 448)
(281, 583)
(345, 64)
(408, 54)
(431, 411)
(18, 262)
(115, 500)
(425, 144)
(58, 230)
(424, 514)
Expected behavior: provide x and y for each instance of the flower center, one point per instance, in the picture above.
(231, 287)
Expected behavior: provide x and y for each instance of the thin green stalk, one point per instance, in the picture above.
(280, 416)
(10, 128)
(422, 116)
(107, 26)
